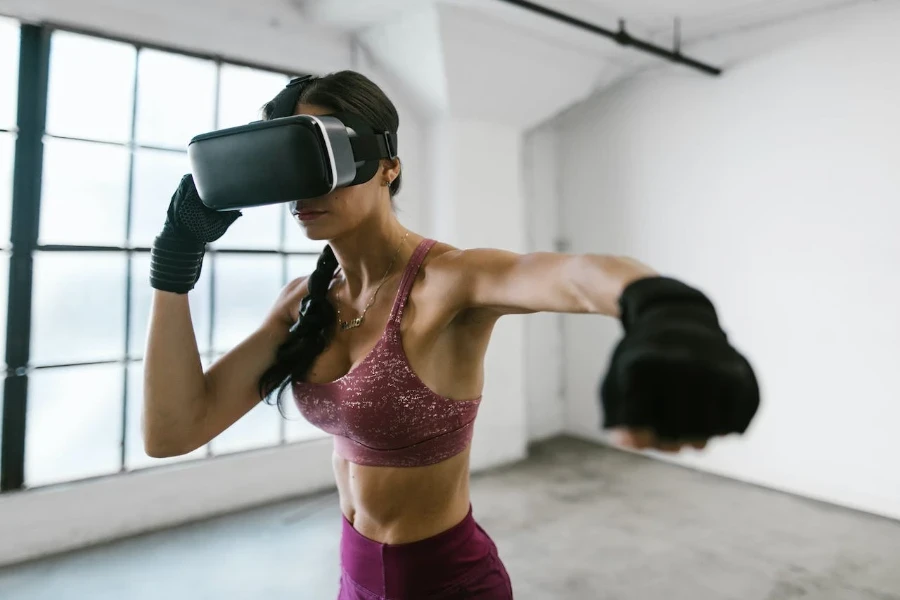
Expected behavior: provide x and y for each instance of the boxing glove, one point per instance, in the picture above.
(176, 258)
(674, 372)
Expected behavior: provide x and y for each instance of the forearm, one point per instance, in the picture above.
(598, 281)
(174, 383)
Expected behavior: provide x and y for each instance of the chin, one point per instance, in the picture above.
(317, 234)
(322, 232)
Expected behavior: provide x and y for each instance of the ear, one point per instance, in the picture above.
(390, 169)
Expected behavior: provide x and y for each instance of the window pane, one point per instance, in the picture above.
(91, 92)
(246, 288)
(258, 229)
(259, 428)
(135, 457)
(85, 194)
(300, 266)
(9, 72)
(243, 92)
(79, 307)
(176, 98)
(295, 239)
(74, 425)
(7, 149)
(142, 296)
(156, 177)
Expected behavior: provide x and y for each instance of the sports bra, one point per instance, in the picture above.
(380, 413)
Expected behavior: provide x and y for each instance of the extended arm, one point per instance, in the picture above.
(511, 283)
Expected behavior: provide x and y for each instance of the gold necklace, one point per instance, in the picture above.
(354, 323)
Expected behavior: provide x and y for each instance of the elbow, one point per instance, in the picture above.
(602, 279)
(154, 450)
(164, 441)
(157, 447)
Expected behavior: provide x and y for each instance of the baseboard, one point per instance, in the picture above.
(869, 507)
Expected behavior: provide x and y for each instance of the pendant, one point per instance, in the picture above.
(352, 324)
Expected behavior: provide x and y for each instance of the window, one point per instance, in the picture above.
(115, 133)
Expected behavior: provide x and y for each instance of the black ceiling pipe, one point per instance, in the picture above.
(621, 37)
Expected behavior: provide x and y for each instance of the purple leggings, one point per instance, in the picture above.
(461, 562)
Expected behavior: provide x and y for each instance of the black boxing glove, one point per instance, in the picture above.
(674, 371)
(176, 257)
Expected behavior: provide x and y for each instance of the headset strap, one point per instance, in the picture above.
(374, 146)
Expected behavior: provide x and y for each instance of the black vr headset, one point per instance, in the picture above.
(286, 158)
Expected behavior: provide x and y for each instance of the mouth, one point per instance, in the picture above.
(308, 215)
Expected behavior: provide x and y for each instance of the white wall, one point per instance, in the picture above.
(543, 331)
(776, 189)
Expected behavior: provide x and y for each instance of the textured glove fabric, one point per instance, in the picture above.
(176, 258)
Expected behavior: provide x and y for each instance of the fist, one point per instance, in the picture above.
(674, 380)
(188, 218)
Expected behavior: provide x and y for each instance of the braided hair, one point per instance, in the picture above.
(309, 336)
(345, 91)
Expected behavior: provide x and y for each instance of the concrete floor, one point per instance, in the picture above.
(574, 521)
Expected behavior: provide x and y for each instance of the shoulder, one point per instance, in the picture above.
(466, 264)
(296, 287)
(456, 274)
(444, 263)
(287, 305)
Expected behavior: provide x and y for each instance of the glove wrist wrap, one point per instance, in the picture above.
(651, 298)
(175, 263)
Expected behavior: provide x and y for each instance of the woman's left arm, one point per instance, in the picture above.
(673, 378)
(510, 283)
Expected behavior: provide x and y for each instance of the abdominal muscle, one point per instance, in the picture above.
(393, 505)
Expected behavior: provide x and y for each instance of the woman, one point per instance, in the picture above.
(382, 346)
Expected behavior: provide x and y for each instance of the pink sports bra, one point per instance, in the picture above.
(380, 413)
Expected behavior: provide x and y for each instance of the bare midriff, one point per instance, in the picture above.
(399, 505)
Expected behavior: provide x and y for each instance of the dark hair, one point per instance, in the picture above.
(348, 92)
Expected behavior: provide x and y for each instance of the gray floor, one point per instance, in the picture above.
(574, 521)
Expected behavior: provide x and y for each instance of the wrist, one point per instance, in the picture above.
(645, 296)
(610, 277)
(175, 264)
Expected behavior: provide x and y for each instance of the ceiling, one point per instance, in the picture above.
(527, 61)
(654, 19)
(650, 20)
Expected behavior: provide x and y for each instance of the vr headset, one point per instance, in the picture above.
(286, 158)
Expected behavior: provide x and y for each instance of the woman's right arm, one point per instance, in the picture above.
(185, 407)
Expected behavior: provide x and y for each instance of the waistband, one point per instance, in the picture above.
(404, 570)
(427, 452)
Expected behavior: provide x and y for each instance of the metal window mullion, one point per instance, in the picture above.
(210, 261)
(132, 145)
(84, 363)
(129, 259)
(34, 73)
